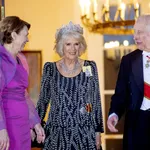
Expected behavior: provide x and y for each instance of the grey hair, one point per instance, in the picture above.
(144, 19)
(59, 44)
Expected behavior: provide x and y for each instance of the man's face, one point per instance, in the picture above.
(142, 36)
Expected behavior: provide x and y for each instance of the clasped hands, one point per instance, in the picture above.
(4, 138)
(39, 133)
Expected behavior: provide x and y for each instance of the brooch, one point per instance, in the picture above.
(82, 110)
(147, 62)
(87, 70)
(87, 108)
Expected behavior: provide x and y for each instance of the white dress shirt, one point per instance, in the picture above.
(146, 74)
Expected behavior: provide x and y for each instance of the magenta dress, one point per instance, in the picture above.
(17, 112)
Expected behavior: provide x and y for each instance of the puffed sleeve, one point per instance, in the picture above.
(45, 93)
(2, 115)
(97, 100)
(33, 115)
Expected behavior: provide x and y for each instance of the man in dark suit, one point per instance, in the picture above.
(132, 93)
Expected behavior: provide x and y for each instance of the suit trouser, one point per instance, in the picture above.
(141, 132)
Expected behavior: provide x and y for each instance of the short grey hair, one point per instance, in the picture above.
(68, 31)
(145, 20)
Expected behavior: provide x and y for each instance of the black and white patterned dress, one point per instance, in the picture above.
(75, 114)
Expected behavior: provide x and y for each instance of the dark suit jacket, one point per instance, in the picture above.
(130, 84)
(129, 93)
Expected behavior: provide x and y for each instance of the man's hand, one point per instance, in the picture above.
(40, 133)
(112, 122)
(4, 140)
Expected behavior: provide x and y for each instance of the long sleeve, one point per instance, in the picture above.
(97, 101)
(118, 102)
(33, 115)
(2, 115)
(45, 93)
(7, 71)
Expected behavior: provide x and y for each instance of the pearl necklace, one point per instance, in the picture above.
(70, 71)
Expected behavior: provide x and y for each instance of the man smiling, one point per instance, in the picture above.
(132, 93)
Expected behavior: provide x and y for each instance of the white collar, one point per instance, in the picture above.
(145, 53)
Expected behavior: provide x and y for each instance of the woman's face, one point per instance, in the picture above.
(21, 39)
(71, 48)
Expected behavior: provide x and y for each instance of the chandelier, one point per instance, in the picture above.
(98, 18)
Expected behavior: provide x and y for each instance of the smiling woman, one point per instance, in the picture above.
(71, 87)
(17, 113)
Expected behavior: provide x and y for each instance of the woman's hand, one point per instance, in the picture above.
(98, 140)
(4, 140)
(40, 133)
(32, 133)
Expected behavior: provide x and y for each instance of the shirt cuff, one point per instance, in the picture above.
(113, 114)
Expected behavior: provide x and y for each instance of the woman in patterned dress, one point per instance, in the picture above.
(71, 87)
(17, 112)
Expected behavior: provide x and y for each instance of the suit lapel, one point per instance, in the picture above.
(137, 69)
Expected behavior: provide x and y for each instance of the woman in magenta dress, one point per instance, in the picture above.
(17, 113)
